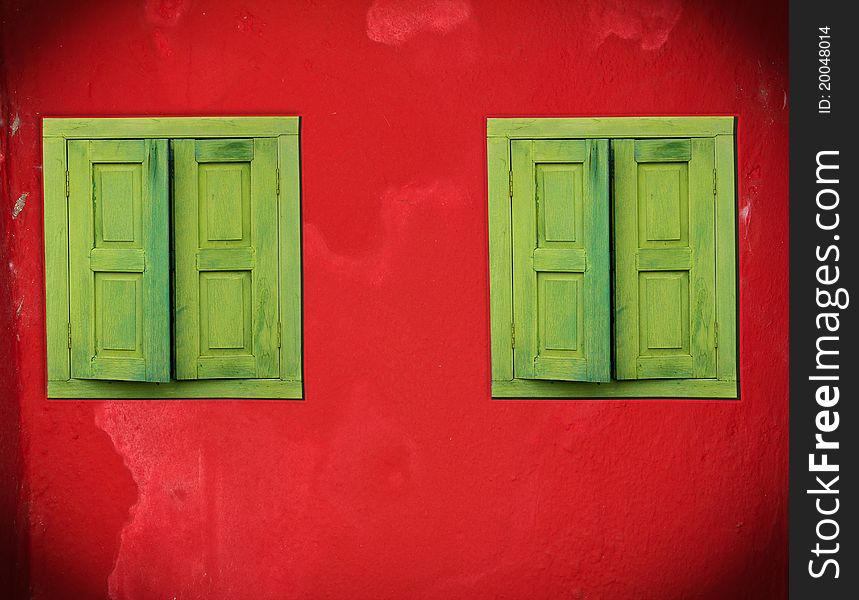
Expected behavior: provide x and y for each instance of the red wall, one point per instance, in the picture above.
(12, 511)
(398, 476)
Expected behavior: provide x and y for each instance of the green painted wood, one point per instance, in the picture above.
(118, 260)
(156, 288)
(702, 275)
(226, 238)
(500, 258)
(264, 184)
(560, 151)
(663, 150)
(211, 388)
(119, 368)
(643, 388)
(524, 243)
(665, 367)
(225, 259)
(608, 127)
(664, 261)
(626, 247)
(119, 330)
(227, 293)
(560, 259)
(726, 262)
(231, 367)
(56, 259)
(121, 233)
(289, 222)
(170, 127)
(224, 150)
(562, 325)
(669, 258)
(132, 260)
(186, 278)
(598, 292)
(118, 151)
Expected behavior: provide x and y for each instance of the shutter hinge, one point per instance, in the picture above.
(69, 331)
(67, 184)
(714, 182)
(510, 182)
(716, 335)
(277, 183)
(279, 334)
(512, 335)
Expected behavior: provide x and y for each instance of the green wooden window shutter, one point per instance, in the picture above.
(226, 245)
(665, 258)
(561, 297)
(119, 260)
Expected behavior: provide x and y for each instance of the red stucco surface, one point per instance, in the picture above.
(398, 476)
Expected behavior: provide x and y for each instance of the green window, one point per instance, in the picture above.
(612, 257)
(560, 259)
(173, 257)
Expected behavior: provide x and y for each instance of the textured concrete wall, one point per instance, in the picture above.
(398, 476)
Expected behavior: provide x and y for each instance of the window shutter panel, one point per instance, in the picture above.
(225, 215)
(665, 258)
(119, 260)
(561, 297)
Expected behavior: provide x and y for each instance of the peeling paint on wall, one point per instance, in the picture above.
(650, 22)
(394, 22)
(20, 203)
(746, 221)
(165, 13)
(130, 436)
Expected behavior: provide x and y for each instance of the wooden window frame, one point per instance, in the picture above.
(499, 133)
(56, 132)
